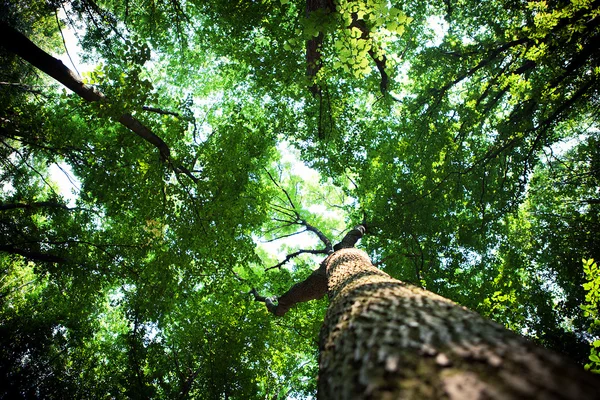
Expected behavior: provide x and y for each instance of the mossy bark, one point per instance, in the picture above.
(384, 339)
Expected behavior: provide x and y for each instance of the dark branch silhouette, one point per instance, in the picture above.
(19, 44)
(294, 255)
(161, 111)
(33, 255)
(312, 288)
(37, 204)
(294, 218)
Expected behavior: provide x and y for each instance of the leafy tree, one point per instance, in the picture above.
(463, 134)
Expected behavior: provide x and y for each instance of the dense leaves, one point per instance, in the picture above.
(464, 134)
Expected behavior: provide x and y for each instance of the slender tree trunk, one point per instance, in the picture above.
(384, 339)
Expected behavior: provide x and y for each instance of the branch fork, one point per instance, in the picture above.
(312, 288)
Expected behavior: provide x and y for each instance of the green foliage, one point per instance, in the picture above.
(477, 174)
(592, 297)
(590, 309)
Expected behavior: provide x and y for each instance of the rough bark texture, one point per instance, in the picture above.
(384, 339)
(312, 288)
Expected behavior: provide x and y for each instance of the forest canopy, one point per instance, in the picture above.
(203, 143)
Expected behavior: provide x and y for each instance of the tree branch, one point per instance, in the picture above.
(64, 42)
(17, 43)
(380, 62)
(351, 238)
(285, 236)
(284, 191)
(312, 288)
(296, 254)
(37, 204)
(269, 301)
(590, 201)
(32, 255)
(160, 111)
(296, 219)
(321, 235)
(10, 292)
(24, 158)
(285, 211)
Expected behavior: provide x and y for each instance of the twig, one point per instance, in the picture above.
(328, 248)
(314, 286)
(296, 254)
(284, 191)
(65, 42)
(68, 177)
(284, 236)
(30, 166)
(295, 218)
(160, 111)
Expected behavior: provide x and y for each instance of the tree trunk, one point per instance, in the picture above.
(384, 339)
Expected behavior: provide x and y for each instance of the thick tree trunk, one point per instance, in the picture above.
(384, 339)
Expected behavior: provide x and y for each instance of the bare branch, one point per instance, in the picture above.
(590, 201)
(19, 44)
(68, 176)
(33, 255)
(312, 288)
(24, 158)
(160, 111)
(328, 248)
(287, 212)
(287, 223)
(2, 295)
(296, 254)
(284, 191)
(183, 170)
(293, 212)
(64, 42)
(269, 301)
(25, 88)
(284, 236)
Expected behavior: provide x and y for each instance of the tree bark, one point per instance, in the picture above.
(384, 339)
(312, 288)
